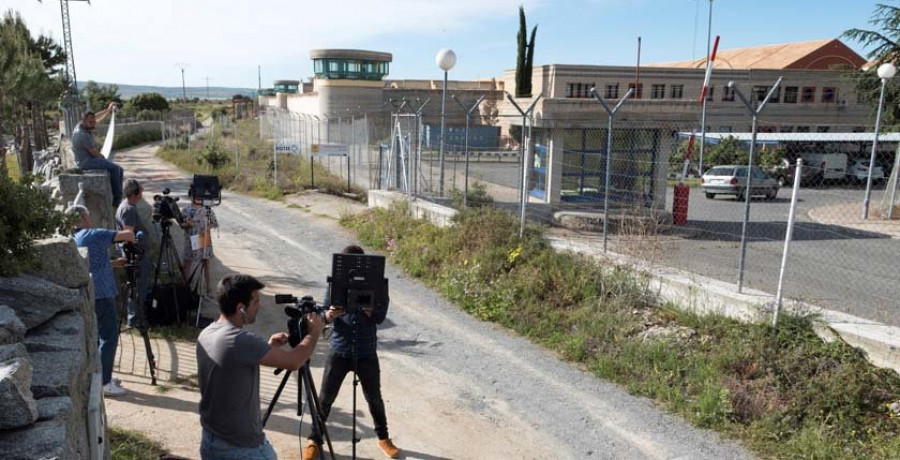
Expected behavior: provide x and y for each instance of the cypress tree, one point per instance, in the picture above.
(529, 64)
(520, 57)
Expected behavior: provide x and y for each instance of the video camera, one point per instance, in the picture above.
(297, 327)
(358, 282)
(165, 208)
(206, 188)
(134, 251)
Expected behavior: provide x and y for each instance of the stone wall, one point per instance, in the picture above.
(48, 356)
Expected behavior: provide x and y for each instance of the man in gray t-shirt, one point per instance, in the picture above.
(228, 360)
(87, 152)
(127, 217)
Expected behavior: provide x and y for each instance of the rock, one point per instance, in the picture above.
(44, 440)
(97, 194)
(676, 333)
(894, 407)
(36, 300)
(61, 263)
(59, 373)
(65, 332)
(50, 408)
(17, 406)
(12, 351)
(12, 329)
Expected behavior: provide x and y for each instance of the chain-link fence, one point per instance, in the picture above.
(838, 258)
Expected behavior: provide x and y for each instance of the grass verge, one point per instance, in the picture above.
(131, 445)
(783, 393)
(245, 163)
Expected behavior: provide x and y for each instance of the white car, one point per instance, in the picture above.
(859, 171)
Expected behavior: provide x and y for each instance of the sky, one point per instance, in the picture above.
(139, 41)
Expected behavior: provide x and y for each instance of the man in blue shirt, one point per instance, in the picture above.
(340, 362)
(97, 240)
(87, 152)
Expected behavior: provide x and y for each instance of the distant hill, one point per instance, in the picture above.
(215, 92)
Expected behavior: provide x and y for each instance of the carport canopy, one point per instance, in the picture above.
(775, 138)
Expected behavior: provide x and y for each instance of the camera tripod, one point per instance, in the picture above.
(168, 257)
(132, 303)
(201, 286)
(305, 385)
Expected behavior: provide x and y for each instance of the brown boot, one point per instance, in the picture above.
(388, 447)
(311, 451)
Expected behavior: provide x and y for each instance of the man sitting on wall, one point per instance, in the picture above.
(87, 152)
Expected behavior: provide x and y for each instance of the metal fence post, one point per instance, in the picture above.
(523, 195)
(788, 235)
(748, 191)
(611, 113)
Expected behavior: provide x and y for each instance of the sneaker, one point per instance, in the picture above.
(388, 447)
(113, 390)
(311, 451)
(117, 381)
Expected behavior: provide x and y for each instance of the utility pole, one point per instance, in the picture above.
(259, 79)
(71, 79)
(182, 66)
(207, 86)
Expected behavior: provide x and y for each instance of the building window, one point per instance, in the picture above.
(808, 94)
(823, 129)
(578, 90)
(709, 94)
(639, 92)
(760, 92)
(677, 91)
(829, 95)
(657, 91)
(790, 95)
(787, 129)
(728, 93)
(803, 129)
(612, 91)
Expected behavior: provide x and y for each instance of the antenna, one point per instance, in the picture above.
(182, 66)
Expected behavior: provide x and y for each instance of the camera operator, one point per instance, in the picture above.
(128, 218)
(228, 360)
(340, 362)
(198, 237)
(97, 240)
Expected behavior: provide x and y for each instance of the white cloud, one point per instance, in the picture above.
(132, 40)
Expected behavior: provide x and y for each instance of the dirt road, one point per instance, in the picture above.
(454, 387)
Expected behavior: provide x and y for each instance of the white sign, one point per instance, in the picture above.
(330, 150)
(287, 148)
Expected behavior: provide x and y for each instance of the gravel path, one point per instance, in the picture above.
(454, 387)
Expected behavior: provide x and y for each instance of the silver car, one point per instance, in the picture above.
(732, 180)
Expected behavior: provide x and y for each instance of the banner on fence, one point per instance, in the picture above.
(330, 150)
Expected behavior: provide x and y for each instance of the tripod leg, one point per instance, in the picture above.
(151, 360)
(284, 381)
(318, 418)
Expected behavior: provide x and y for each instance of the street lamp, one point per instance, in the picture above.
(886, 71)
(445, 59)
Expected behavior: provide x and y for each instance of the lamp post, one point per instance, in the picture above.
(886, 71)
(445, 59)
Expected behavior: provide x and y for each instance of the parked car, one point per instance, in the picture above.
(732, 180)
(833, 166)
(784, 173)
(859, 171)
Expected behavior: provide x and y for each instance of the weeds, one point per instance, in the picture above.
(244, 163)
(784, 393)
(131, 445)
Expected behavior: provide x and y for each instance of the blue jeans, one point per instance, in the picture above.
(215, 448)
(116, 175)
(108, 330)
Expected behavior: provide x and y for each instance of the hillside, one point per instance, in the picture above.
(172, 92)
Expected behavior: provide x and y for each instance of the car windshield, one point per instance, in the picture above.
(720, 171)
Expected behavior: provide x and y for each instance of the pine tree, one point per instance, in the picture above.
(520, 57)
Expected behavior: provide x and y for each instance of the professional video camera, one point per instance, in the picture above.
(206, 188)
(358, 282)
(297, 327)
(134, 251)
(165, 208)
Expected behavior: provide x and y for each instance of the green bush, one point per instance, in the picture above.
(132, 138)
(214, 156)
(478, 197)
(26, 213)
